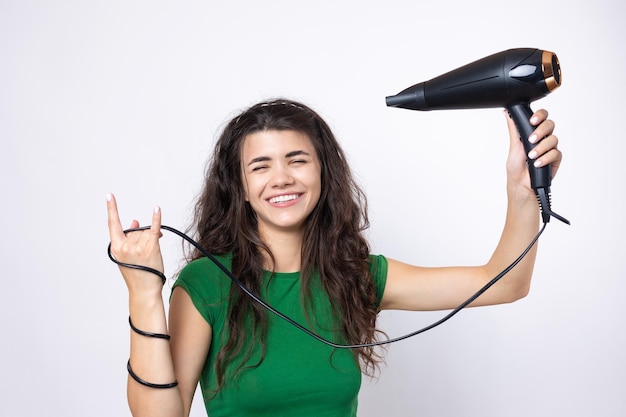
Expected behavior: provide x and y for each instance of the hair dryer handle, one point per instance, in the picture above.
(521, 113)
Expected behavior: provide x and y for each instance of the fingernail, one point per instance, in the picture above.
(109, 197)
(534, 120)
(532, 138)
(532, 154)
(157, 209)
(537, 163)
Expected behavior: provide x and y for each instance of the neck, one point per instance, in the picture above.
(286, 249)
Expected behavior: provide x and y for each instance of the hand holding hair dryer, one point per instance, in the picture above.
(511, 79)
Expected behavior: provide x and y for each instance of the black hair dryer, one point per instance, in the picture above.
(511, 79)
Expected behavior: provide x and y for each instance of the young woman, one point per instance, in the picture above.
(281, 210)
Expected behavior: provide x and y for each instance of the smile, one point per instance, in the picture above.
(283, 198)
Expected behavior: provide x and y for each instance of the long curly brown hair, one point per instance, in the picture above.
(333, 243)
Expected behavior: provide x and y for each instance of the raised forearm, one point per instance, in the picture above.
(521, 226)
(151, 361)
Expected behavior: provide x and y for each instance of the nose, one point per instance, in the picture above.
(281, 176)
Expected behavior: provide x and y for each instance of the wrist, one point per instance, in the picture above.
(145, 298)
(142, 283)
(522, 204)
(520, 195)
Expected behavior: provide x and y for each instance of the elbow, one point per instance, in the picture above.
(512, 288)
(519, 291)
(522, 293)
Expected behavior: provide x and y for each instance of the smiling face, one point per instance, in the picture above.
(281, 179)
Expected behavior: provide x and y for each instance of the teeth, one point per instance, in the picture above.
(283, 198)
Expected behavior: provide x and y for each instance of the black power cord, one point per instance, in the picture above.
(304, 329)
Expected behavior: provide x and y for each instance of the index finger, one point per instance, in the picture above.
(115, 226)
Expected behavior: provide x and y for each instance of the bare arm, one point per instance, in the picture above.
(412, 287)
(155, 360)
(191, 338)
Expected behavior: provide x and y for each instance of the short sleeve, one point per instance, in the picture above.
(207, 286)
(378, 270)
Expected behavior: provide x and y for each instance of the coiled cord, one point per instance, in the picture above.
(299, 326)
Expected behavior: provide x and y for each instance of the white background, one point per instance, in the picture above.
(127, 97)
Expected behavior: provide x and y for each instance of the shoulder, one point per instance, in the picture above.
(204, 266)
(207, 284)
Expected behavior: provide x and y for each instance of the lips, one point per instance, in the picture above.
(283, 198)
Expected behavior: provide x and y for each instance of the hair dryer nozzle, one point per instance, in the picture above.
(412, 98)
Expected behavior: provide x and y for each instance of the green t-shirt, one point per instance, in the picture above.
(299, 375)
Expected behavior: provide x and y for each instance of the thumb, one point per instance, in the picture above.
(514, 135)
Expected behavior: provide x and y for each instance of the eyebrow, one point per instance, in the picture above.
(288, 155)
